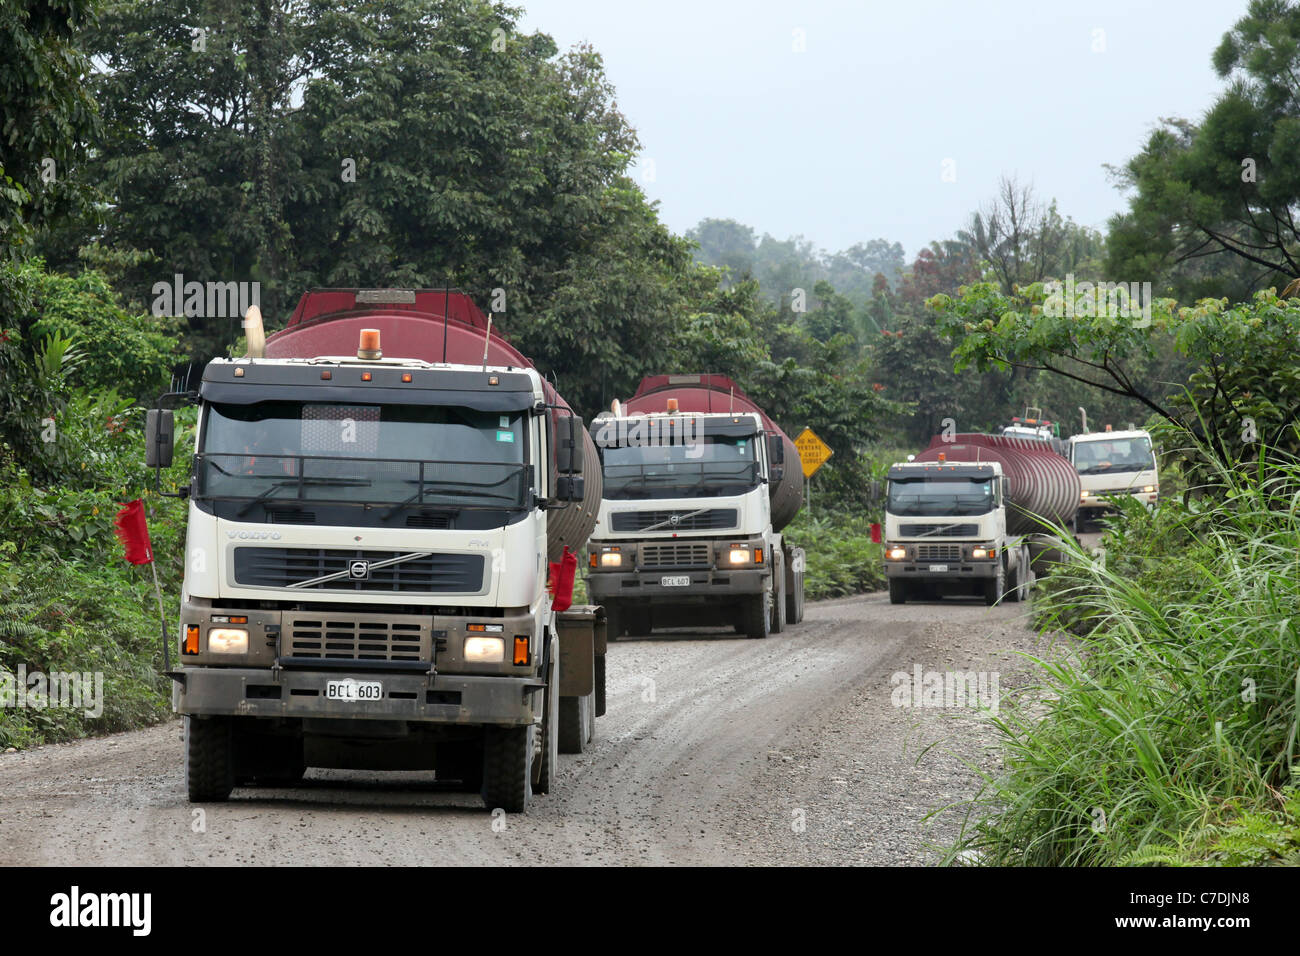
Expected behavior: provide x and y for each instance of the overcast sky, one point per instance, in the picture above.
(846, 140)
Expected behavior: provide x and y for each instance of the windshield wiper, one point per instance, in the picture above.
(295, 482)
(419, 496)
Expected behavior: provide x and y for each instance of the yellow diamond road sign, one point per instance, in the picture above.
(813, 452)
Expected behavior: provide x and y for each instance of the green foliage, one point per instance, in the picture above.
(1179, 700)
(1220, 374)
(62, 417)
(48, 114)
(1237, 838)
(841, 558)
(1212, 206)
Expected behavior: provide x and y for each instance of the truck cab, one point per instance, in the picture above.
(684, 536)
(1113, 464)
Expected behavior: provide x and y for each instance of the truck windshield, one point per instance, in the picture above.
(940, 496)
(1112, 455)
(395, 455)
(713, 466)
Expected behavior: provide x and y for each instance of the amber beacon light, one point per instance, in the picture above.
(369, 347)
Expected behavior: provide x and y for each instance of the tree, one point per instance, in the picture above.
(46, 116)
(1222, 197)
(1225, 374)
(727, 244)
(1022, 240)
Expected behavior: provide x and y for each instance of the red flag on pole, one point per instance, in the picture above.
(561, 580)
(134, 532)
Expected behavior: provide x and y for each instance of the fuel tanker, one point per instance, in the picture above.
(698, 484)
(381, 500)
(972, 514)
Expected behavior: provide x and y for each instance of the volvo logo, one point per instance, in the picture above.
(254, 535)
(359, 570)
(675, 520)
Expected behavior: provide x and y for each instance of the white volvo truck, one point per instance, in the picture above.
(366, 580)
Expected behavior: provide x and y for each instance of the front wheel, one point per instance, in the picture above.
(754, 617)
(209, 758)
(507, 762)
(547, 757)
(897, 591)
(993, 587)
(777, 623)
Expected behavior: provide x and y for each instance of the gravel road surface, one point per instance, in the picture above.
(715, 750)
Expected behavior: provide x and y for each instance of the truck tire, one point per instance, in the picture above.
(777, 624)
(507, 766)
(576, 715)
(209, 758)
(599, 709)
(897, 591)
(547, 760)
(755, 617)
(794, 601)
(993, 587)
(1013, 583)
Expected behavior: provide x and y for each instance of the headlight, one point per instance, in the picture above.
(611, 559)
(485, 650)
(896, 553)
(228, 640)
(981, 552)
(739, 556)
(1085, 496)
(1148, 489)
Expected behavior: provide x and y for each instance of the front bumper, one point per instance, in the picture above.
(707, 584)
(442, 699)
(954, 569)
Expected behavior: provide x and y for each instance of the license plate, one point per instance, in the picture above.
(681, 581)
(354, 690)
(938, 568)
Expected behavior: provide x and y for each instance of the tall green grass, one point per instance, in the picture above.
(1166, 731)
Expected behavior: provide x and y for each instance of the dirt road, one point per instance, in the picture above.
(716, 749)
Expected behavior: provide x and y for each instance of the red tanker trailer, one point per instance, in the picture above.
(971, 513)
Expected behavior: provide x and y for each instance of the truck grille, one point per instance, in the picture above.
(281, 567)
(354, 637)
(714, 519)
(675, 555)
(938, 552)
(938, 530)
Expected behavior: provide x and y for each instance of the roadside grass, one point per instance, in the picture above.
(1167, 733)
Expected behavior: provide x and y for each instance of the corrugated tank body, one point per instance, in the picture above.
(1041, 484)
(329, 322)
(717, 393)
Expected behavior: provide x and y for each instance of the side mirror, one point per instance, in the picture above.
(568, 445)
(159, 437)
(570, 488)
(775, 457)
